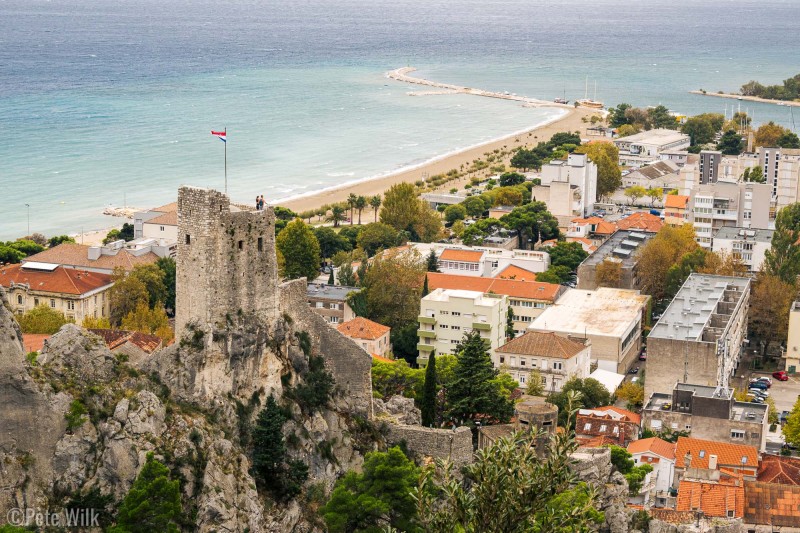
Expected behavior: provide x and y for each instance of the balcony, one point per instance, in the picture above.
(426, 334)
(425, 347)
(426, 319)
(481, 326)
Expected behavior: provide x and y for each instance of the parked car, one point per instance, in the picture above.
(761, 393)
(765, 381)
(781, 375)
(784, 416)
(634, 370)
(643, 356)
(758, 400)
(758, 385)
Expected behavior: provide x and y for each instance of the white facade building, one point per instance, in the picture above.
(750, 245)
(446, 315)
(715, 205)
(659, 454)
(647, 146)
(571, 184)
(556, 358)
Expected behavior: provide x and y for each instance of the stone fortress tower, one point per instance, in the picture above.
(226, 260)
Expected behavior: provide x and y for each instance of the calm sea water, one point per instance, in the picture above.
(111, 102)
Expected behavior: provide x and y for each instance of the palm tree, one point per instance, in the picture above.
(337, 215)
(375, 202)
(361, 203)
(351, 201)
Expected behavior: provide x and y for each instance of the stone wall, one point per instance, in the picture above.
(226, 259)
(350, 365)
(438, 443)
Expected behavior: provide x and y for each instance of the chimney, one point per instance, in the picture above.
(687, 460)
(712, 462)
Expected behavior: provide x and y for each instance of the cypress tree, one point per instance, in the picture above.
(510, 324)
(269, 448)
(471, 393)
(331, 280)
(428, 404)
(425, 289)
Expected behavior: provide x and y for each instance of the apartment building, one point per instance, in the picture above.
(568, 187)
(675, 209)
(610, 318)
(708, 166)
(330, 301)
(647, 146)
(75, 293)
(792, 354)
(781, 168)
(527, 299)
(749, 245)
(700, 334)
(715, 205)
(556, 358)
(621, 251)
(709, 413)
(447, 314)
(481, 261)
(659, 454)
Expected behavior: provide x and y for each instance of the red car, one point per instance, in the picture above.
(781, 375)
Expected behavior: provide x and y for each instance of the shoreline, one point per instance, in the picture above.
(758, 99)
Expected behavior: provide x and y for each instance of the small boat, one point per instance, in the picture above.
(587, 102)
(561, 101)
(781, 103)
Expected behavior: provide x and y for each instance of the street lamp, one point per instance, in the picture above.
(29, 218)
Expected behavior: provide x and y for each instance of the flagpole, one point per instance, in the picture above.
(226, 159)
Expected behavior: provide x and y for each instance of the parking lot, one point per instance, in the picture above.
(784, 393)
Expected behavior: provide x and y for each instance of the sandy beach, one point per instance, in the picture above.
(571, 121)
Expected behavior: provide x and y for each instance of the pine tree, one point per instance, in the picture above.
(433, 262)
(425, 290)
(152, 504)
(472, 395)
(269, 448)
(331, 281)
(428, 404)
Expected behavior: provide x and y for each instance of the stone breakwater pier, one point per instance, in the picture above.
(402, 74)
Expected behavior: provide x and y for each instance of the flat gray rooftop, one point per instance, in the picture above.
(623, 245)
(749, 412)
(744, 234)
(706, 391)
(329, 292)
(704, 304)
(657, 401)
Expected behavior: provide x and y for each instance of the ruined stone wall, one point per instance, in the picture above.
(226, 259)
(350, 365)
(439, 443)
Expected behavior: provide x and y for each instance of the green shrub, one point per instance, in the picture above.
(75, 415)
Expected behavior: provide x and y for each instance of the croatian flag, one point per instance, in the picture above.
(221, 135)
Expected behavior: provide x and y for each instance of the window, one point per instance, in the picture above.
(456, 313)
(457, 328)
(334, 320)
(161, 228)
(526, 304)
(744, 459)
(522, 379)
(53, 302)
(36, 302)
(320, 305)
(731, 513)
(502, 359)
(521, 362)
(702, 454)
(188, 239)
(261, 244)
(453, 341)
(19, 299)
(587, 426)
(70, 305)
(603, 428)
(544, 380)
(736, 434)
(443, 326)
(444, 312)
(333, 306)
(558, 366)
(616, 430)
(241, 245)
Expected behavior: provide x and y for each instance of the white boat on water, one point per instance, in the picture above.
(589, 102)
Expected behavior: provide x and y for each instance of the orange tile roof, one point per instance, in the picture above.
(518, 273)
(587, 221)
(772, 504)
(470, 256)
(633, 417)
(712, 498)
(382, 359)
(532, 290)
(543, 344)
(34, 342)
(596, 442)
(169, 218)
(676, 201)
(727, 454)
(168, 208)
(779, 469)
(653, 445)
(362, 328)
(73, 254)
(61, 280)
(641, 221)
(114, 338)
(605, 228)
(672, 516)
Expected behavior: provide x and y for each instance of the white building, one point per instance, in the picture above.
(750, 245)
(142, 217)
(569, 188)
(446, 315)
(482, 261)
(715, 205)
(792, 353)
(781, 168)
(611, 318)
(163, 227)
(556, 358)
(371, 336)
(647, 146)
(659, 454)
(663, 174)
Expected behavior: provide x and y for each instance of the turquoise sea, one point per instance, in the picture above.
(113, 102)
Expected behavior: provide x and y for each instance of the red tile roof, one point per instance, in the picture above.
(641, 221)
(727, 454)
(469, 256)
(114, 338)
(712, 498)
(361, 328)
(653, 445)
(676, 201)
(543, 344)
(772, 504)
(34, 342)
(605, 228)
(633, 417)
(60, 280)
(596, 442)
(517, 273)
(779, 469)
(168, 208)
(532, 290)
(72, 254)
(167, 219)
(382, 359)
